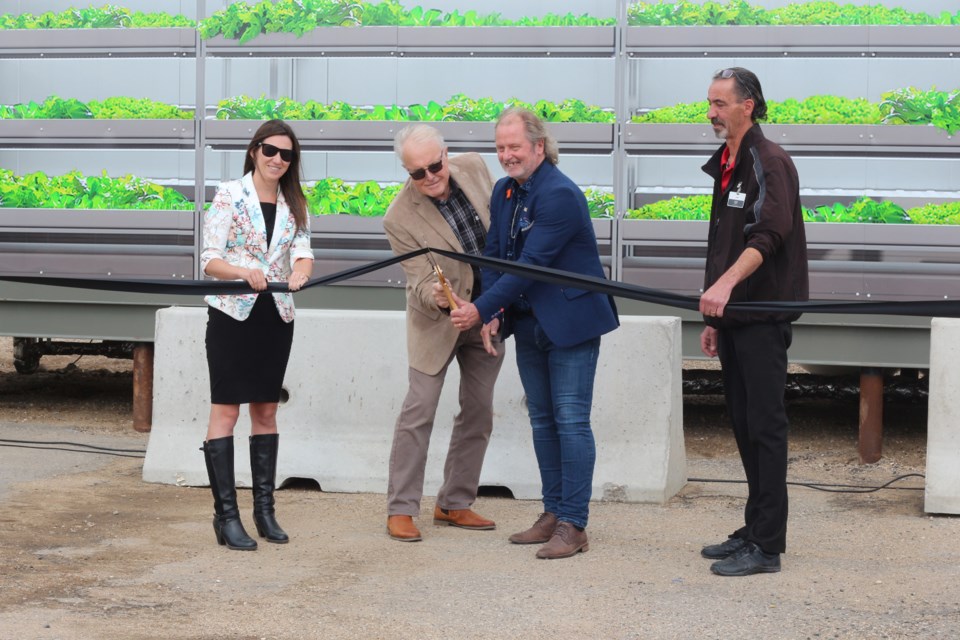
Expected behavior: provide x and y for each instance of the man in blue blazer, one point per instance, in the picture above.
(538, 216)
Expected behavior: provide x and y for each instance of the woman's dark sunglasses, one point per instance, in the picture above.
(287, 155)
(421, 173)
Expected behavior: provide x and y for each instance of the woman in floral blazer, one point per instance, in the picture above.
(256, 230)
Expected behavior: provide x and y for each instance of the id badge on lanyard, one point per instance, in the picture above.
(737, 198)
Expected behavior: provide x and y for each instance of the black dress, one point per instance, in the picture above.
(248, 359)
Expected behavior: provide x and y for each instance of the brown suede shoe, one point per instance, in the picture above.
(567, 541)
(463, 518)
(540, 532)
(402, 528)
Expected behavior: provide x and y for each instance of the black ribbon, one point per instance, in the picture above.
(924, 308)
(203, 287)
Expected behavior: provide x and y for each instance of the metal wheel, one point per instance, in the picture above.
(26, 355)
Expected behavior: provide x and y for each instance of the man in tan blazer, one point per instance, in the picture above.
(446, 205)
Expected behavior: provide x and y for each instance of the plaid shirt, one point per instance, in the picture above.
(466, 225)
(463, 219)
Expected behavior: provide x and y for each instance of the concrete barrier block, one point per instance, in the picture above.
(942, 494)
(347, 378)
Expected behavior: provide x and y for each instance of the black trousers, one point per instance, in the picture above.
(754, 361)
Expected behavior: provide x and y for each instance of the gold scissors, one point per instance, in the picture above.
(443, 282)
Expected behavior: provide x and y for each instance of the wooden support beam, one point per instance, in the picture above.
(870, 443)
(143, 386)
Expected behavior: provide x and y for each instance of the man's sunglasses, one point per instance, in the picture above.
(287, 155)
(421, 173)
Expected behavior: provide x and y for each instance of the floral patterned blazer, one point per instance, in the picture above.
(234, 231)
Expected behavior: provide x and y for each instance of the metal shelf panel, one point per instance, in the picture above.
(343, 242)
(799, 138)
(818, 233)
(808, 197)
(109, 43)
(110, 221)
(374, 134)
(513, 41)
(107, 243)
(58, 312)
(801, 40)
(324, 41)
(336, 241)
(152, 133)
(114, 262)
(603, 229)
(63, 312)
(847, 261)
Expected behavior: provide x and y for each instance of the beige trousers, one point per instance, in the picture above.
(468, 442)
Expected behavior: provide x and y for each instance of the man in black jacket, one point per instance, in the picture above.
(756, 252)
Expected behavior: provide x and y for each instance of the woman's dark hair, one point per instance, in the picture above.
(290, 181)
(747, 86)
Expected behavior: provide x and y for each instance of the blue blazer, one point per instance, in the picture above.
(558, 234)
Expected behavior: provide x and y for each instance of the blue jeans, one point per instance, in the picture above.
(558, 383)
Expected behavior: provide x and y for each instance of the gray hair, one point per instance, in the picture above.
(416, 133)
(535, 129)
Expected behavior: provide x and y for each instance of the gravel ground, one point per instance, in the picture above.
(91, 551)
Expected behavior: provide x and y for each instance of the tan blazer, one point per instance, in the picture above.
(413, 222)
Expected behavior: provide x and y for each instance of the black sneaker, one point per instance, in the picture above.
(746, 561)
(723, 550)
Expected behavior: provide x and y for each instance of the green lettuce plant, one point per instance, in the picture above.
(824, 110)
(459, 108)
(676, 208)
(902, 106)
(108, 16)
(947, 213)
(600, 202)
(740, 12)
(865, 210)
(862, 210)
(332, 196)
(116, 108)
(245, 21)
(52, 108)
(77, 191)
(916, 106)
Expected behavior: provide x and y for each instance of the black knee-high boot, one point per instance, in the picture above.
(263, 467)
(218, 454)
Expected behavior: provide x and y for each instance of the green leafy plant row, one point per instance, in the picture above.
(117, 108)
(901, 106)
(740, 12)
(245, 21)
(333, 196)
(77, 191)
(863, 210)
(458, 108)
(107, 16)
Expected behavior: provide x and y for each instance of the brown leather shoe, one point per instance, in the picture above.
(567, 541)
(402, 528)
(463, 518)
(539, 533)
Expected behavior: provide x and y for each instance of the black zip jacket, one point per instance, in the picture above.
(770, 220)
